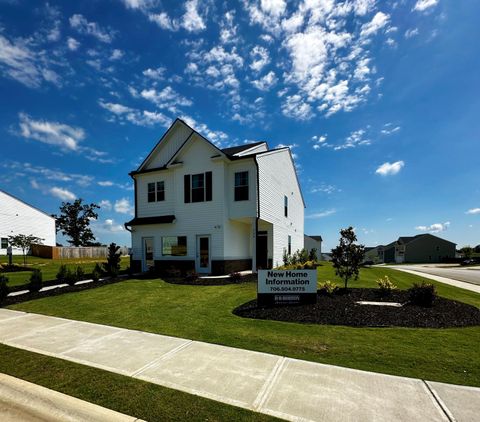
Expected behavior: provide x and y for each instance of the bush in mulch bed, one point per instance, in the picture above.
(341, 309)
(10, 300)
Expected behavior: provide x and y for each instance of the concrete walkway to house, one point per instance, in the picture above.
(287, 388)
(434, 274)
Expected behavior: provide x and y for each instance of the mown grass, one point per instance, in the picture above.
(123, 394)
(205, 313)
(49, 267)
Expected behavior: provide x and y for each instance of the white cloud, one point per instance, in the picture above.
(166, 98)
(434, 228)
(53, 133)
(389, 169)
(124, 114)
(260, 58)
(322, 214)
(378, 22)
(112, 227)
(294, 106)
(473, 211)
(388, 129)
(362, 7)
(216, 136)
(123, 206)
(422, 5)
(116, 54)
(191, 20)
(72, 44)
(325, 188)
(138, 4)
(114, 108)
(105, 204)
(164, 21)
(82, 26)
(228, 30)
(265, 82)
(63, 194)
(156, 74)
(105, 183)
(412, 32)
(24, 62)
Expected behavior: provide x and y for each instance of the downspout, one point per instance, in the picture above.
(258, 214)
(135, 198)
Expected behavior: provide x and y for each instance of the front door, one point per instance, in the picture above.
(203, 254)
(262, 250)
(147, 261)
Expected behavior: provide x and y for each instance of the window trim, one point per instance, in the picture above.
(247, 186)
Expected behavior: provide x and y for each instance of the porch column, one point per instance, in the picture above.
(254, 245)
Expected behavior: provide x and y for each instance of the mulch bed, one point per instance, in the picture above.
(210, 281)
(11, 300)
(341, 309)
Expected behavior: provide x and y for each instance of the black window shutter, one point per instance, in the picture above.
(186, 186)
(208, 186)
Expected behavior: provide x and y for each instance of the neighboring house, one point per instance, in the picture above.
(310, 242)
(420, 248)
(18, 217)
(210, 210)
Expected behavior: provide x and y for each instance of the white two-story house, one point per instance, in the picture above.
(210, 210)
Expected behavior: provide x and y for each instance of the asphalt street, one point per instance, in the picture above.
(467, 275)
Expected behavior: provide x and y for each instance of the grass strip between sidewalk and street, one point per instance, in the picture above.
(123, 394)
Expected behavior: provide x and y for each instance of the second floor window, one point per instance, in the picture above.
(198, 187)
(241, 186)
(285, 206)
(156, 191)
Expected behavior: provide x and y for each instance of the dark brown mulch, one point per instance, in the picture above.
(341, 309)
(212, 281)
(11, 300)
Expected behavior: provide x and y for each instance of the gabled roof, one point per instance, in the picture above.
(25, 203)
(317, 238)
(240, 148)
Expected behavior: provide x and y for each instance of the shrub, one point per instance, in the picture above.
(191, 276)
(285, 257)
(328, 288)
(4, 289)
(235, 277)
(97, 272)
(70, 277)
(303, 256)
(422, 294)
(62, 272)
(312, 255)
(385, 286)
(35, 281)
(309, 265)
(112, 266)
(79, 273)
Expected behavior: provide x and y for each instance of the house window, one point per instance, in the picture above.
(174, 245)
(156, 191)
(241, 186)
(289, 244)
(4, 243)
(198, 187)
(285, 206)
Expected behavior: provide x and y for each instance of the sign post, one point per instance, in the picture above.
(286, 287)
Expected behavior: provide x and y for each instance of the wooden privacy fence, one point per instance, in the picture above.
(69, 252)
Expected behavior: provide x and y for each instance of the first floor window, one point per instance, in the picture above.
(4, 243)
(289, 244)
(174, 245)
(241, 186)
(156, 191)
(285, 205)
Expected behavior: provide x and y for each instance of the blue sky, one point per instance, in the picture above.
(378, 100)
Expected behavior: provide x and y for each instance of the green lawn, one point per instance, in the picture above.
(49, 267)
(205, 313)
(133, 397)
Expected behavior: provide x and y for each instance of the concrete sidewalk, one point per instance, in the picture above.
(287, 388)
(460, 284)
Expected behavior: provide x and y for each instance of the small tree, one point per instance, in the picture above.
(347, 256)
(312, 255)
(35, 281)
(24, 242)
(112, 266)
(467, 251)
(74, 222)
(4, 289)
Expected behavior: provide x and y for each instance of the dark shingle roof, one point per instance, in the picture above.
(239, 148)
(140, 221)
